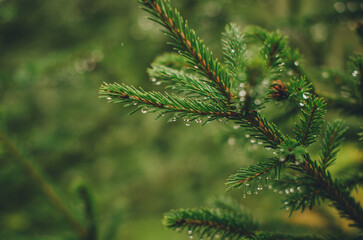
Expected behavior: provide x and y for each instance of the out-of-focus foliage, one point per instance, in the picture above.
(54, 56)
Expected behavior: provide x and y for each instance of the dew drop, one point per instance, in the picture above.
(267, 148)
(249, 192)
(256, 193)
(286, 203)
(275, 190)
(242, 93)
(281, 64)
(280, 192)
(109, 98)
(257, 102)
(305, 95)
(290, 73)
(299, 189)
(325, 74)
(291, 190)
(153, 79)
(252, 140)
(247, 184)
(135, 103)
(233, 51)
(187, 124)
(191, 237)
(241, 99)
(282, 159)
(247, 136)
(241, 85)
(236, 126)
(301, 104)
(244, 195)
(158, 83)
(287, 191)
(196, 67)
(259, 188)
(231, 141)
(355, 73)
(296, 63)
(144, 110)
(190, 232)
(269, 186)
(259, 143)
(274, 153)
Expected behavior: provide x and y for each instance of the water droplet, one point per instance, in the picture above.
(187, 124)
(305, 95)
(153, 79)
(274, 153)
(325, 74)
(242, 93)
(190, 232)
(296, 63)
(236, 126)
(256, 193)
(196, 67)
(259, 143)
(290, 73)
(286, 203)
(191, 237)
(259, 188)
(301, 104)
(135, 103)
(252, 140)
(281, 64)
(267, 148)
(275, 190)
(198, 120)
(257, 102)
(282, 159)
(355, 73)
(249, 192)
(299, 189)
(233, 51)
(177, 229)
(144, 110)
(109, 98)
(247, 136)
(291, 190)
(269, 186)
(280, 192)
(241, 85)
(231, 141)
(287, 191)
(174, 119)
(241, 99)
(297, 163)
(158, 83)
(244, 195)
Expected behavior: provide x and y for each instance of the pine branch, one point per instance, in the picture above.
(331, 141)
(48, 190)
(234, 50)
(249, 177)
(188, 44)
(86, 198)
(184, 82)
(313, 112)
(211, 223)
(155, 101)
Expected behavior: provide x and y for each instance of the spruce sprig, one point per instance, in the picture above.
(331, 142)
(313, 111)
(215, 85)
(188, 44)
(210, 223)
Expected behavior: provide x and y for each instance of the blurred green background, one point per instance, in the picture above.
(56, 54)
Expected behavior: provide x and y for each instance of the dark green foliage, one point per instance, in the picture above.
(331, 142)
(211, 223)
(252, 87)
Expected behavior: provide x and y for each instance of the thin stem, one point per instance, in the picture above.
(45, 186)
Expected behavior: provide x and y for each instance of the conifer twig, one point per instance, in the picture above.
(44, 185)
